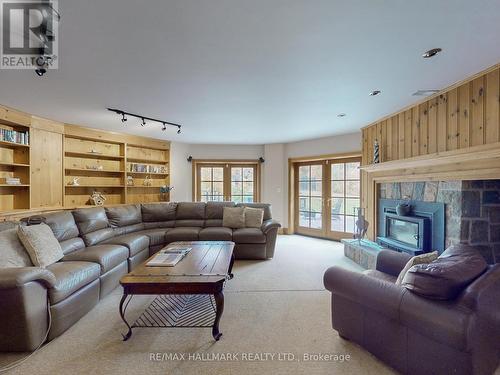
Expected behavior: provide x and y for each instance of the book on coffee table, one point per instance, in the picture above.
(169, 257)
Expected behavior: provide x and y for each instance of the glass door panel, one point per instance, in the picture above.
(310, 197)
(344, 197)
(212, 184)
(243, 184)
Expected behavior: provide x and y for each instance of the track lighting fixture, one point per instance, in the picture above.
(144, 118)
(375, 92)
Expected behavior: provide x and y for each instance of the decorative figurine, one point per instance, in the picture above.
(148, 181)
(360, 223)
(74, 182)
(97, 199)
(130, 181)
(376, 152)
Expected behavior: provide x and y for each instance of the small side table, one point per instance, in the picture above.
(362, 252)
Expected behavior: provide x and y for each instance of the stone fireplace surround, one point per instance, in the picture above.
(472, 210)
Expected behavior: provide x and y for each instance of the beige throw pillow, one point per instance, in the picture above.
(233, 217)
(40, 243)
(418, 259)
(12, 251)
(253, 217)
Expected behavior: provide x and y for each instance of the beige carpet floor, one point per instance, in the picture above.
(271, 307)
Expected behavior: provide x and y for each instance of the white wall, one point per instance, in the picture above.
(181, 170)
(321, 146)
(274, 169)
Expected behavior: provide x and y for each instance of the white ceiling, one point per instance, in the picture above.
(253, 71)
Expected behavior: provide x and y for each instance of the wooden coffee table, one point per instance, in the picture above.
(203, 271)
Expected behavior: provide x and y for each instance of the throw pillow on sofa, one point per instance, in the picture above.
(13, 253)
(418, 259)
(40, 243)
(447, 276)
(233, 217)
(254, 217)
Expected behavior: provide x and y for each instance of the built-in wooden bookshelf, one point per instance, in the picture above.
(147, 171)
(93, 165)
(56, 153)
(14, 163)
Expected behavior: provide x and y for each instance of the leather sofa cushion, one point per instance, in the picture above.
(190, 211)
(213, 223)
(265, 206)
(248, 235)
(107, 256)
(158, 211)
(62, 224)
(215, 210)
(441, 321)
(182, 234)
(70, 277)
(71, 245)
(101, 235)
(216, 234)
(128, 229)
(447, 276)
(189, 223)
(121, 216)
(90, 220)
(133, 241)
(159, 224)
(156, 235)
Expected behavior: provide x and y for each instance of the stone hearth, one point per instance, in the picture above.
(472, 210)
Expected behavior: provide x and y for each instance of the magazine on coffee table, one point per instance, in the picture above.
(169, 257)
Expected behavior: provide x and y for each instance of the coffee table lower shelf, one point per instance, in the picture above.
(176, 311)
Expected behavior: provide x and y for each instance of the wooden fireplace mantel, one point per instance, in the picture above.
(474, 163)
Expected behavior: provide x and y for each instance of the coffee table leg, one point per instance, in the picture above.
(219, 304)
(122, 314)
(230, 270)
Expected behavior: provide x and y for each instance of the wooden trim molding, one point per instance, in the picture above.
(477, 163)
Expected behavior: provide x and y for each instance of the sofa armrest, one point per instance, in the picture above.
(392, 262)
(17, 277)
(377, 294)
(269, 225)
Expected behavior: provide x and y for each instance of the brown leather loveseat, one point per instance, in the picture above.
(100, 245)
(413, 334)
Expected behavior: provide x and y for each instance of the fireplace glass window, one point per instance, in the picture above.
(403, 231)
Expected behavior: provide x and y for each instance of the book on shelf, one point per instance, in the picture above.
(14, 136)
(147, 168)
(10, 181)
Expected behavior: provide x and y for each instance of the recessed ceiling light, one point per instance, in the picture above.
(341, 115)
(375, 92)
(431, 52)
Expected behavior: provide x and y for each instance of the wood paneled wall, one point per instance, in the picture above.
(463, 116)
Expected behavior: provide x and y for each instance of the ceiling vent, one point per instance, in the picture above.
(425, 92)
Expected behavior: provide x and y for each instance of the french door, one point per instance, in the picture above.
(326, 194)
(227, 181)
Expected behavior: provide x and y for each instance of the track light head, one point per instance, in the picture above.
(143, 122)
(164, 127)
(40, 71)
(124, 119)
(375, 92)
(430, 53)
(178, 130)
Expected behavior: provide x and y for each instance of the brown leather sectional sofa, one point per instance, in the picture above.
(413, 334)
(101, 245)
